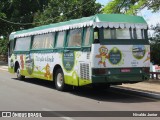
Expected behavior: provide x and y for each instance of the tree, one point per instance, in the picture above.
(58, 11)
(3, 46)
(13, 15)
(131, 6)
(19, 12)
(155, 45)
(23, 14)
(153, 5)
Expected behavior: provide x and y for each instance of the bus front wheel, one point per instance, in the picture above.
(59, 80)
(19, 76)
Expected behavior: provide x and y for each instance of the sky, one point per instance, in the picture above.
(151, 18)
(103, 2)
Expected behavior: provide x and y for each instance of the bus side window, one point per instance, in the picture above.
(139, 33)
(87, 36)
(130, 32)
(10, 48)
(113, 33)
(96, 35)
(107, 34)
(44, 41)
(145, 34)
(75, 38)
(134, 33)
(60, 39)
(22, 44)
(49, 41)
(123, 33)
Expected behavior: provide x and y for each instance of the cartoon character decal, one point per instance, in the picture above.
(29, 62)
(47, 74)
(22, 62)
(148, 57)
(103, 55)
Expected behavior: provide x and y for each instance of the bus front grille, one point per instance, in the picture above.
(88, 55)
(84, 71)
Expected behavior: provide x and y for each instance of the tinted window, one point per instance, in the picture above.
(23, 44)
(75, 37)
(44, 41)
(107, 34)
(11, 46)
(124, 33)
(139, 34)
(87, 37)
(60, 39)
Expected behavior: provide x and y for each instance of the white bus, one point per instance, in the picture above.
(104, 49)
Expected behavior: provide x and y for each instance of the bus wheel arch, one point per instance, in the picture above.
(58, 78)
(17, 71)
(16, 66)
(56, 67)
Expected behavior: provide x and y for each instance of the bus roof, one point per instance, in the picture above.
(98, 20)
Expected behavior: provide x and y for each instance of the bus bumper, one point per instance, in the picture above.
(118, 79)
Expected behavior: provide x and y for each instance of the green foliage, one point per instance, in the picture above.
(42, 11)
(18, 11)
(3, 46)
(155, 45)
(153, 5)
(131, 6)
(58, 11)
(2, 15)
(119, 6)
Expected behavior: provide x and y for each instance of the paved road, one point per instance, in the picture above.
(38, 95)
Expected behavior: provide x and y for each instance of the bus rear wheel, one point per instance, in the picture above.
(19, 76)
(59, 80)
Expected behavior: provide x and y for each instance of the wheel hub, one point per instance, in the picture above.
(59, 80)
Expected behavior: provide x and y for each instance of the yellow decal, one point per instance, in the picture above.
(148, 57)
(22, 62)
(103, 55)
(48, 74)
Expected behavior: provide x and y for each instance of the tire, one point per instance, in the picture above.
(59, 80)
(19, 76)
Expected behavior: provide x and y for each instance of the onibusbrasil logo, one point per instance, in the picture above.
(21, 114)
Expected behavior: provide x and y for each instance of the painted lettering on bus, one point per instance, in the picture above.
(46, 59)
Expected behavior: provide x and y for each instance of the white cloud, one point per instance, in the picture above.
(151, 18)
(154, 19)
(103, 2)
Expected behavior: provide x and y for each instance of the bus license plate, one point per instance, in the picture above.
(125, 70)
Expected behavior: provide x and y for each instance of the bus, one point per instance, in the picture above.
(100, 50)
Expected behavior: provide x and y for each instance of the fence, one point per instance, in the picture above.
(155, 75)
(3, 58)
